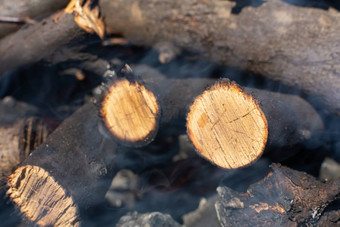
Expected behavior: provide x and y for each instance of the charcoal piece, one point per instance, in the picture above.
(154, 219)
(284, 198)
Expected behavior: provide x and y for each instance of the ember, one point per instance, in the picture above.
(169, 113)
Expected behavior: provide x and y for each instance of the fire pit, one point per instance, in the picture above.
(170, 113)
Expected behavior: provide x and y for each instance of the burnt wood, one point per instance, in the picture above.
(73, 164)
(285, 197)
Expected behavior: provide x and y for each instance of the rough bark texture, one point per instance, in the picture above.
(75, 160)
(38, 41)
(298, 46)
(23, 9)
(287, 119)
(284, 198)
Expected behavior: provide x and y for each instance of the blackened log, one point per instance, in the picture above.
(285, 197)
(67, 174)
(295, 45)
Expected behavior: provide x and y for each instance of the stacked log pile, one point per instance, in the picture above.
(164, 98)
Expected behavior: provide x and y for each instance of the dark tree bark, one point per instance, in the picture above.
(38, 41)
(67, 173)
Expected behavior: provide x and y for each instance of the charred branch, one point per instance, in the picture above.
(45, 38)
(66, 173)
(285, 197)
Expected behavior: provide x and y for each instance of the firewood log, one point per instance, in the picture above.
(277, 40)
(48, 36)
(15, 52)
(79, 153)
(20, 133)
(25, 9)
(285, 197)
(295, 45)
(227, 125)
(17, 141)
(67, 173)
(130, 112)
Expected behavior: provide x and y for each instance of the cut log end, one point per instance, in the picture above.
(227, 126)
(41, 198)
(130, 112)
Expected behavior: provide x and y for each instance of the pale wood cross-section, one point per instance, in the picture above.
(130, 112)
(41, 198)
(227, 126)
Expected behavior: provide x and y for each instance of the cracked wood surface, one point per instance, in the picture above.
(130, 112)
(227, 126)
(41, 198)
